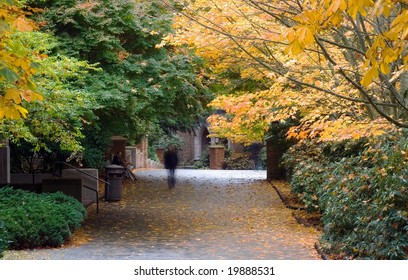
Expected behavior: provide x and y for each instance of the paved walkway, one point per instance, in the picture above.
(208, 215)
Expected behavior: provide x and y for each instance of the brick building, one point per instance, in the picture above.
(196, 143)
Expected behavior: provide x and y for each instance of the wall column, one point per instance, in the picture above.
(216, 157)
(4, 162)
(273, 157)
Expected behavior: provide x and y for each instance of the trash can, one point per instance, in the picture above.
(114, 174)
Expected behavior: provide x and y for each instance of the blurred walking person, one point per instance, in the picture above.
(170, 163)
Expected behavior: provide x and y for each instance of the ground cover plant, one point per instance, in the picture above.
(361, 190)
(32, 220)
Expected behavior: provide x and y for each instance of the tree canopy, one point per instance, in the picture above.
(100, 72)
(338, 65)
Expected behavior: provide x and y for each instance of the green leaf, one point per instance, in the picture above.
(10, 76)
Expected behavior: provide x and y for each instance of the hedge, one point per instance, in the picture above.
(362, 195)
(36, 220)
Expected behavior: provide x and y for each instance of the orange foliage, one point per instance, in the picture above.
(339, 65)
(16, 68)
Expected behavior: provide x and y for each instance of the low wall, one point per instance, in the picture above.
(68, 186)
(29, 182)
(42, 182)
(138, 158)
(88, 196)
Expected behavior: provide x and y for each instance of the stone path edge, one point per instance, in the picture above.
(287, 204)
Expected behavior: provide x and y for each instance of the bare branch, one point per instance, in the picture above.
(341, 45)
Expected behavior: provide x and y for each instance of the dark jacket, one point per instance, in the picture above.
(170, 159)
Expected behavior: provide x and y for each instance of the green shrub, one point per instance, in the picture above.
(95, 158)
(3, 240)
(365, 203)
(204, 161)
(307, 179)
(298, 153)
(321, 153)
(310, 164)
(361, 189)
(33, 220)
(239, 161)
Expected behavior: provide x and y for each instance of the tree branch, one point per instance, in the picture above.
(361, 90)
(341, 45)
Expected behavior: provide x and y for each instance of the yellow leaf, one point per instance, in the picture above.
(339, 4)
(1, 107)
(343, 5)
(290, 35)
(385, 68)
(305, 35)
(14, 94)
(336, 19)
(335, 6)
(294, 48)
(352, 11)
(371, 74)
(37, 96)
(11, 113)
(386, 10)
(404, 35)
(23, 111)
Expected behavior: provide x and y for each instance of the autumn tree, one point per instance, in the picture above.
(16, 67)
(339, 65)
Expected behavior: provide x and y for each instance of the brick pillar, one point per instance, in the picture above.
(273, 156)
(4, 163)
(146, 148)
(118, 145)
(143, 146)
(131, 153)
(216, 157)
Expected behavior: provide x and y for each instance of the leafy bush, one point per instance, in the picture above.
(321, 153)
(95, 158)
(204, 161)
(297, 154)
(308, 177)
(361, 190)
(3, 240)
(365, 202)
(165, 140)
(239, 161)
(33, 220)
(264, 159)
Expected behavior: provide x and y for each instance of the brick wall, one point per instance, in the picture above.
(216, 157)
(274, 154)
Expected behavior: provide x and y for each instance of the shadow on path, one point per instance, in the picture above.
(208, 215)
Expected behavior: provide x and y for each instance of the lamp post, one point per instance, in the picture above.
(216, 154)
